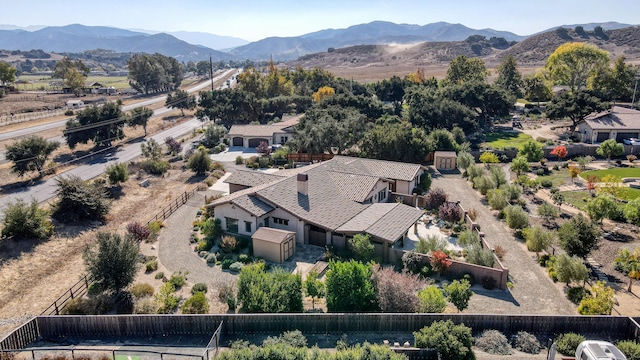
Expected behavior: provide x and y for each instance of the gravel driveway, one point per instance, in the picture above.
(533, 291)
(176, 253)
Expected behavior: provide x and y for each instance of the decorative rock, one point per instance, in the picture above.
(406, 344)
(396, 344)
(385, 342)
(153, 247)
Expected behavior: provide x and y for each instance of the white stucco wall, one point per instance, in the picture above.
(295, 225)
(235, 212)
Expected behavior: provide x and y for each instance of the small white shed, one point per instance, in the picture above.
(75, 104)
(274, 245)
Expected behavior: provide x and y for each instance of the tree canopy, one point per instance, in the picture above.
(574, 106)
(30, 154)
(180, 99)
(99, 124)
(112, 261)
(7, 73)
(509, 78)
(463, 69)
(154, 73)
(573, 64)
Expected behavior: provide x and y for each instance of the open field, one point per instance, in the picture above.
(39, 82)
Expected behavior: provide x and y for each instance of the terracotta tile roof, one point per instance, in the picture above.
(618, 118)
(271, 235)
(383, 220)
(251, 178)
(380, 168)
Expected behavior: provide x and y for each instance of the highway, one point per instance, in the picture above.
(17, 134)
(45, 190)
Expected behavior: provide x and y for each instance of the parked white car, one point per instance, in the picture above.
(631, 141)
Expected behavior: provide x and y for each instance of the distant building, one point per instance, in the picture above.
(75, 104)
(617, 123)
(250, 136)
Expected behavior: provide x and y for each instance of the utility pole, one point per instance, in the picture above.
(211, 72)
(633, 102)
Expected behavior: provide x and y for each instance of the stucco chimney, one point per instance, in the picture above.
(303, 184)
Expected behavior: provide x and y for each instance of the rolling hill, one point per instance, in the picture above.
(373, 33)
(78, 38)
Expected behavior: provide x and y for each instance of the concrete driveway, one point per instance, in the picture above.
(231, 153)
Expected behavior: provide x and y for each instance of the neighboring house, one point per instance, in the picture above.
(616, 123)
(250, 136)
(325, 203)
(75, 104)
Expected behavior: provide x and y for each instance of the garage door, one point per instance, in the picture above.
(626, 135)
(238, 141)
(602, 136)
(317, 236)
(255, 142)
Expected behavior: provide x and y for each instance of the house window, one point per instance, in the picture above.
(382, 195)
(247, 226)
(280, 221)
(284, 139)
(232, 225)
(266, 222)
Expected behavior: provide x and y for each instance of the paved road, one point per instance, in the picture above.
(533, 291)
(16, 134)
(45, 190)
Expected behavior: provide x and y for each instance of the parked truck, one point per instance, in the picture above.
(598, 350)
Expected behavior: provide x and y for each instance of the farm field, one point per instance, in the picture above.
(39, 82)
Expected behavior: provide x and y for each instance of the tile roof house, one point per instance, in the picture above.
(250, 136)
(616, 123)
(324, 203)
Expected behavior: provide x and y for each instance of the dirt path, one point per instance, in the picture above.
(533, 291)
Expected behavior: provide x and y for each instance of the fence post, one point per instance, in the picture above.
(55, 304)
(71, 292)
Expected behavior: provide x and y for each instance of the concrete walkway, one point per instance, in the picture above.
(533, 291)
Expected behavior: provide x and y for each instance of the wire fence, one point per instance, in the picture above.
(8, 119)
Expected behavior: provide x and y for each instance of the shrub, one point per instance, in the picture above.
(516, 217)
(526, 342)
(196, 304)
(450, 212)
(277, 291)
(145, 305)
(546, 183)
(576, 294)
(396, 292)
(226, 291)
(489, 283)
(229, 244)
(434, 198)
(411, 261)
(499, 251)
(497, 199)
(474, 171)
(479, 256)
(112, 261)
(80, 200)
(139, 290)
(151, 266)
(431, 300)
(68, 113)
(350, 287)
(154, 167)
(483, 184)
(450, 340)
(22, 220)
(155, 227)
(629, 348)
(473, 214)
(236, 267)
(567, 343)
(361, 247)
(211, 259)
(138, 231)
(199, 287)
(167, 299)
(494, 342)
(200, 162)
(178, 279)
(430, 243)
(467, 238)
(124, 302)
(226, 263)
(117, 173)
(293, 338)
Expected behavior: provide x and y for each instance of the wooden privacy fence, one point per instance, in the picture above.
(173, 206)
(303, 157)
(76, 290)
(237, 325)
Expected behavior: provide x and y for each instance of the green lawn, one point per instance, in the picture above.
(558, 178)
(627, 193)
(499, 140)
(577, 198)
(127, 357)
(618, 172)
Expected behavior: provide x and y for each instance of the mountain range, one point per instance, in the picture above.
(79, 38)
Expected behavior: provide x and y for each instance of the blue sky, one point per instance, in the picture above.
(255, 19)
